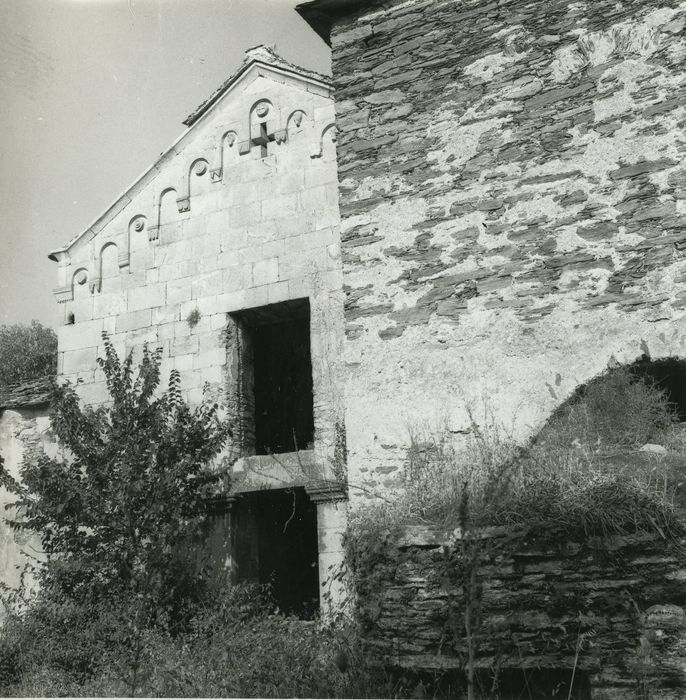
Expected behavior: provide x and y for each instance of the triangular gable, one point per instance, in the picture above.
(260, 61)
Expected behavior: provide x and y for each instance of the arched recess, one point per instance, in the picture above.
(329, 137)
(296, 123)
(262, 112)
(198, 169)
(78, 281)
(325, 148)
(81, 296)
(624, 403)
(617, 442)
(227, 154)
(137, 237)
(166, 212)
(264, 128)
(108, 266)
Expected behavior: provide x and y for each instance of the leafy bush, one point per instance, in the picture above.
(27, 352)
(119, 519)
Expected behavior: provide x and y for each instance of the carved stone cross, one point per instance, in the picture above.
(263, 140)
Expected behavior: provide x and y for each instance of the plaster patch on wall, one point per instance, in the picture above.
(487, 67)
(458, 142)
(628, 74)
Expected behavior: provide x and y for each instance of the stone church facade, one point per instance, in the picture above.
(226, 255)
(490, 211)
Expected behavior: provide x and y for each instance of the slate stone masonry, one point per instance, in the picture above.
(611, 607)
(513, 202)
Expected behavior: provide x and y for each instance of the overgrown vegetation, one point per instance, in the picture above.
(125, 605)
(608, 462)
(234, 646)
(584, 472)
(26, 353)
(117, 517)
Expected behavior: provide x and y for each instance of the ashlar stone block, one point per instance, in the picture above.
(76, 336)
(265, 272)
(147, 297)
(133, 320)
(81, 360)
(207, 284)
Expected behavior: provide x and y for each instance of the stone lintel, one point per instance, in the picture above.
(326, 491)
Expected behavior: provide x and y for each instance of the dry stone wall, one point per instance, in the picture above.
(612, 608)
(25, 433)
(513, 202)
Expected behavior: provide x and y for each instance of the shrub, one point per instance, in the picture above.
(119, 520)
(614, 410)
(27, 352)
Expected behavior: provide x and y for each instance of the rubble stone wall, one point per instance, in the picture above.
(513, 202)
(611, 607)
(24, 431)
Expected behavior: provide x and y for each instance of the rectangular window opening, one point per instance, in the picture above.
(276, 378)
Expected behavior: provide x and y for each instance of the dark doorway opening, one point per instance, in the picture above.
(669, 375)
(276, 543)
(277, 339)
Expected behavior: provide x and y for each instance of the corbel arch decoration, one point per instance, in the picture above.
(227, 142)
(296, 121)
(65, 289)
(154, 231)
(199, 167)
(79, 278)
(328, 131)
(96, 283)
(135, 226)
(264, 126)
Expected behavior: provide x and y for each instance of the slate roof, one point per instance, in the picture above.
(321, 14)
(26, 394)
(257, 54)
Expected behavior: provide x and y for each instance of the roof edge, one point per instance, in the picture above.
(266, 57)
(322, 14)
(260, 55)
(28, 393)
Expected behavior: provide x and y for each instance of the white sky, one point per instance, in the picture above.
(91, 92)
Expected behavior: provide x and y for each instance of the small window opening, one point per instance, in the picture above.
(275, 378)
(276, 544)
(669, 375)
(70, 318)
